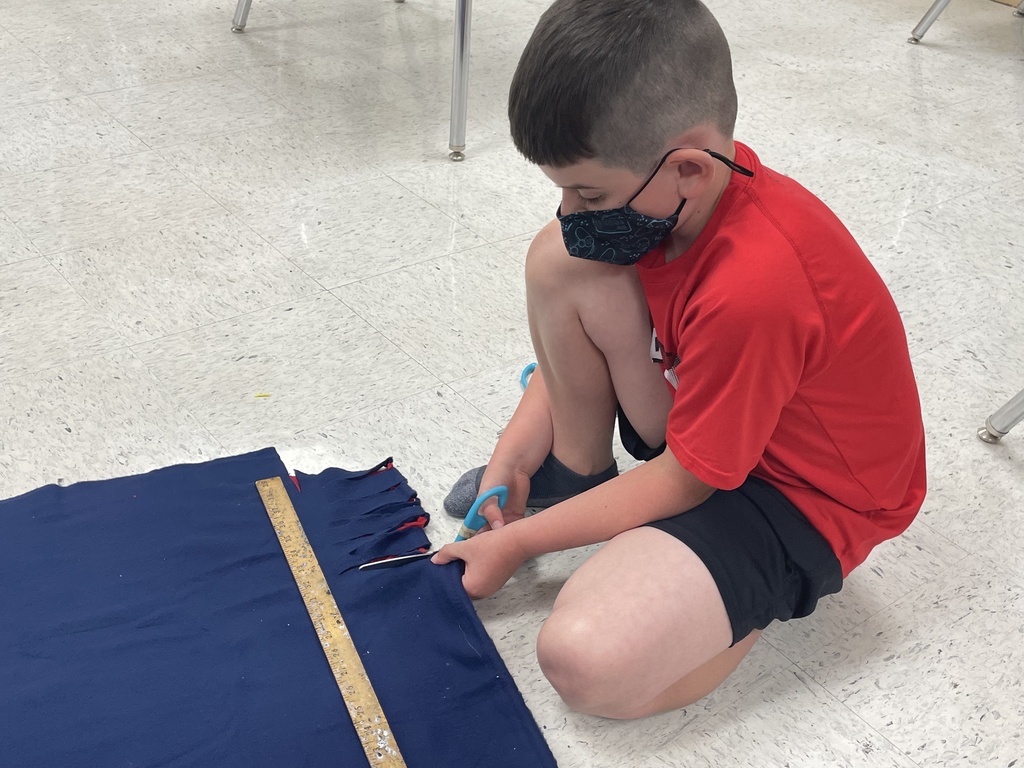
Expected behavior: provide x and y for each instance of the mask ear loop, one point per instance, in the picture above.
(732, 165)
(653, 174)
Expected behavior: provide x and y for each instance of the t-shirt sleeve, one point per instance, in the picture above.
(742, 352)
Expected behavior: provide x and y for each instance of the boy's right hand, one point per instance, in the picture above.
(518, 484)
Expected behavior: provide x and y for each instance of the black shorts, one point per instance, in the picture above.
(633, 443)
(767, 559)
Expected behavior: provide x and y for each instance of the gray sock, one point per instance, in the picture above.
(552, 483)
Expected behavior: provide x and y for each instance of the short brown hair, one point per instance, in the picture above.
(616, 79)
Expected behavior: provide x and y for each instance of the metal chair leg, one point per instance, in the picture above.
(460, 81)
(241, 16)
(927, 20)
(1019, 10)
(1002, 421)
(460, 70)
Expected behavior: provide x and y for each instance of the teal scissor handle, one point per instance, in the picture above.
(474, 520)
(524, 377)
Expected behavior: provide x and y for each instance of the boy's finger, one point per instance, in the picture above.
(445, 554)
(491, 512)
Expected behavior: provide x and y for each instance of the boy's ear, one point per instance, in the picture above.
(694, 170)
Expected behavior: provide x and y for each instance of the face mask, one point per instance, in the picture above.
(623, 236)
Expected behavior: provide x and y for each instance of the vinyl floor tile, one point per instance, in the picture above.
(952, 648)
(68, 132)
(31, 21)
(267, 165)
(495, 392)
(782, 723)
(388, 23)
(269, 374)
(100, 417)
(496, 195)
(848, 176)
(317, 88)
(45, 322)
(185, 110)
(14, 245)
(976, 490)
(122, 55)
(941, 286)
(455, 315)
(359, 231)
(182, 277)
(428, 64)
(271, 36)
(85, 204)
(27, 78)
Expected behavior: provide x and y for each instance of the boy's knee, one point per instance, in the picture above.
(546, 259)
(581, 668)
(550, 268)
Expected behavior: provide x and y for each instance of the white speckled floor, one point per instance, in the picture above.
(190, 217)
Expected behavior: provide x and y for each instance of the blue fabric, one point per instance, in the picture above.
(153, 621)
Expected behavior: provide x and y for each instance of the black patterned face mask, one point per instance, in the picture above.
(623, 235)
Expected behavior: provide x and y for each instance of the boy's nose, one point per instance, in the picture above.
(570, 202)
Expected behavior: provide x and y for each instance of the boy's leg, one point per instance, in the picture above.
(639, 628)
(592, 333)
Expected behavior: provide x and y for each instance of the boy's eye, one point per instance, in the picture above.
(592, 202)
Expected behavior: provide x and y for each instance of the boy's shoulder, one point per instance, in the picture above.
(781, 198)
(770, 218)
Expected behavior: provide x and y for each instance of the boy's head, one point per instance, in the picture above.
(617, 80)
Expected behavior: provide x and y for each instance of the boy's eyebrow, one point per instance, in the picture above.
(577, 186)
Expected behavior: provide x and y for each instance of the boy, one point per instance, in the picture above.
(779, 423)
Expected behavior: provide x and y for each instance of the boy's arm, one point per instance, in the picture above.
(653, 491)
(521, 449)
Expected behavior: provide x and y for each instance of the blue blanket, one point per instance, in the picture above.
(153, 621)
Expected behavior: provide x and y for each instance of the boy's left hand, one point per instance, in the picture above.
(491, 557)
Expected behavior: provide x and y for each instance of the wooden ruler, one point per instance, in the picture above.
(363, 707)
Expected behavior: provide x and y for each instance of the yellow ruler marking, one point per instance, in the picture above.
(356, 690)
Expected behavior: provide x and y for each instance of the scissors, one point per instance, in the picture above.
(474, 520)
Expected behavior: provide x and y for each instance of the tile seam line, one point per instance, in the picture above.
(417, 263)
(117, 121)
(358, 413)
(179, 403)
(173, 81)
(291, 116)
(220, 134)
(475, 407)
(245, 225)
(129, 342)
(23, 233)
(4, 179)
(860, 719)
(51, 366)
(157, 226)
(204, 60)
(238, 316)
(487, 240)
(92, 307)
(386, 336)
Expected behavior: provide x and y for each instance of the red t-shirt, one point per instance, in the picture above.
(791, 362)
